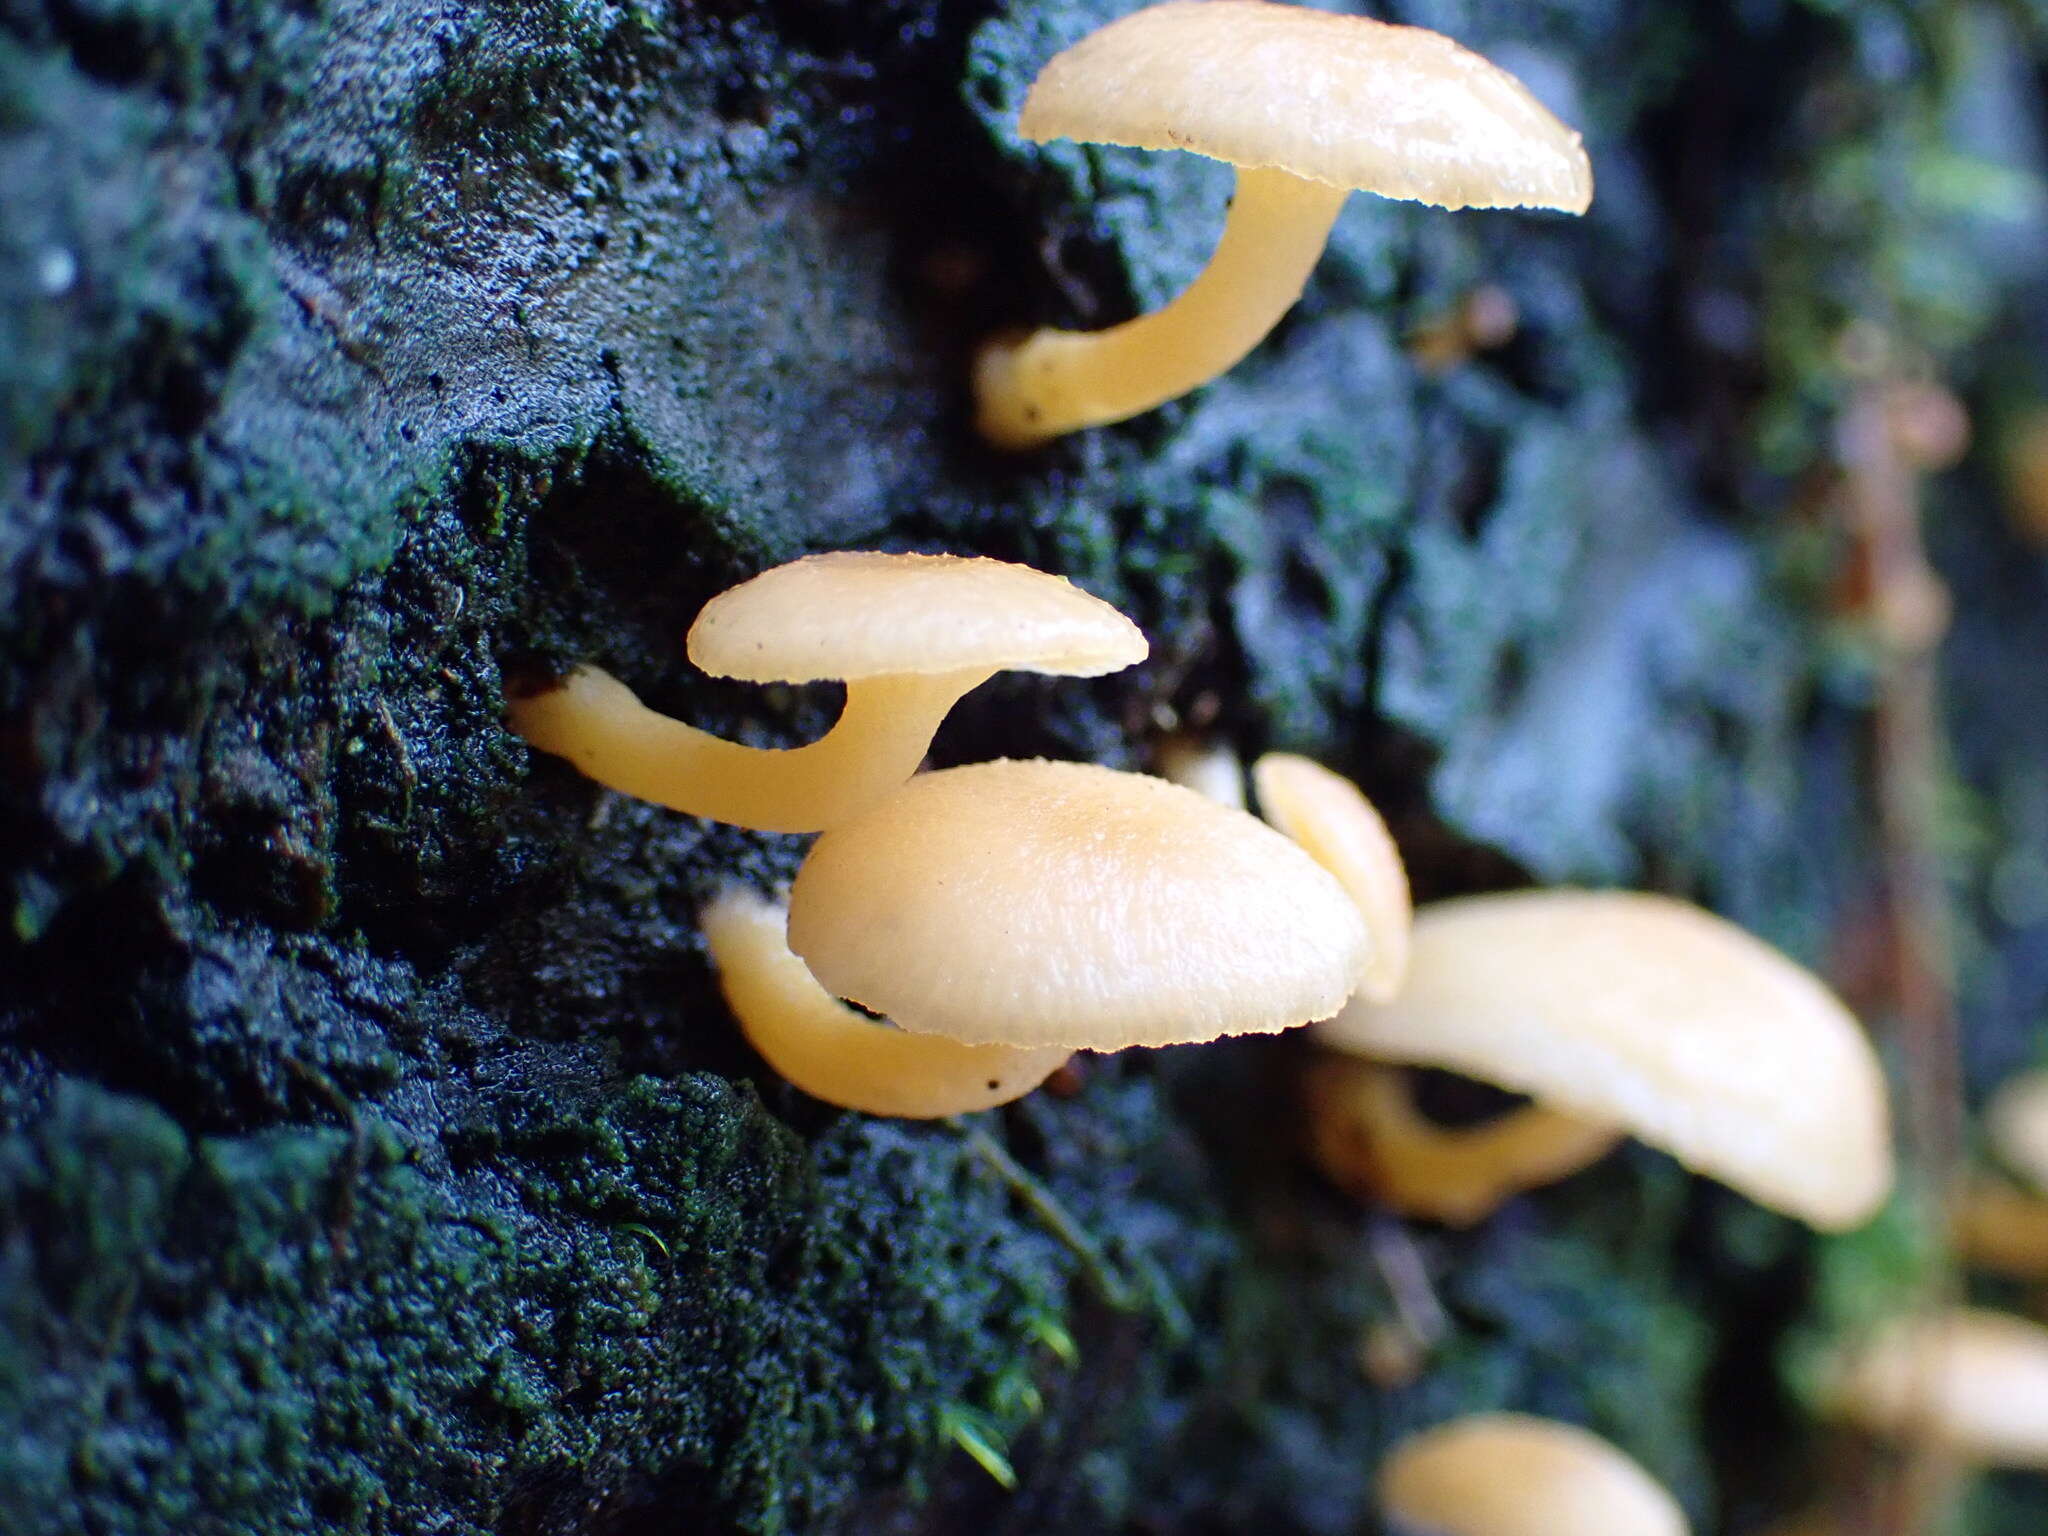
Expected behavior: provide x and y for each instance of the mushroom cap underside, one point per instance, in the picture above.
(859, 614)
(1401, 111)
(1043, 903)
(1649, 1013)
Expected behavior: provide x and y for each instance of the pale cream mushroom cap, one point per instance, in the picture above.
(1044, 903)
(1351, 102)
(859, 614)
(1973, 1379)
(2017, 1118)
(1510, 1474)
(1329, 816)
(1652, 1014)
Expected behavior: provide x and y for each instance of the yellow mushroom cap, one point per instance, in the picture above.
(1509, 1474)
(1976, 1380)
(1401, 111)
(1652, 1014)
(2018, 1120)
(1043, 903)
(1326, 813)
(860, 614)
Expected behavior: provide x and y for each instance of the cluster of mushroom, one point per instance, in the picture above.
(1003, 914)
(1969, 1380)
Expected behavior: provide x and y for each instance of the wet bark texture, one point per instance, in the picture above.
(375, 1154)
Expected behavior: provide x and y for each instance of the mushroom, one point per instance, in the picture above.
(1511, 1474)
(1649, 1013)
(1063, 904)
(1307, 106)
(908, 634)
(2017, 1118)
(834, 1053)
(1973, 1380)
(1328, 815)
(1485, 318)
(2002, 1229)
(1209, 768)
(1367, 1135)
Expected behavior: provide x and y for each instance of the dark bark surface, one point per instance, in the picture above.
(374, 1151)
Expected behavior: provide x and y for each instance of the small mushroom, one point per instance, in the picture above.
(1367, 1135)
(2024, 462)
(1062, 904)
(2017, 1118)
(1973, 1380)
(837, 1054)
(1481, 320)
(1648, 1013)
(908, 634)
(1511, 1474)
(1307, 106)
(1328, 815)
(1209, 768)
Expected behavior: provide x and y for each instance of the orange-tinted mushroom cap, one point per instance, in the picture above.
(1510, 1474)
(1043, 903)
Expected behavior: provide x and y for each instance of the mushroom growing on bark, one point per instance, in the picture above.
(1308, 106)
(838, 1054)
(1063, 904)
(1648, 1013)
(907, 634)
(1511, 1474)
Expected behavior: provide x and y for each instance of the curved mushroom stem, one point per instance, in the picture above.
(1369, 1137)
(1053, 382)
(834, 1053)
(882, 734)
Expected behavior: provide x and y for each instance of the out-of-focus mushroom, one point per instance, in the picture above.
(2017, 1118)
(1648, 1013)
(1972, 1380)
(837, 1054)
(1366, 1134)
(1329, 816)
(2024, 458)
(908, 634)
(1209, 768)
(1485, 318)
(1041, 903)
(1511, 1474)
(2002, 1229)
(1307, 106)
